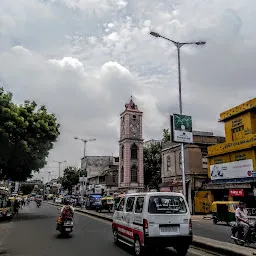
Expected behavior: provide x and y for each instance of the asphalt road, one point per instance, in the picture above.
(33, 233)
(206, 228)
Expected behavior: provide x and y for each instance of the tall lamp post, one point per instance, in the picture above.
(178, 46)
(85, 142)
(60, 162)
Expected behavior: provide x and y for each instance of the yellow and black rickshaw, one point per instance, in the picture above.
(223, 211)
(107, 203)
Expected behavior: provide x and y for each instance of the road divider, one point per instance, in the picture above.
(223, 248)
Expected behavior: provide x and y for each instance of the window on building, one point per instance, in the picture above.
(134, 174)
(114, 178)
(238, 133)
(134, 152)
(122, 174)
(168, 163)
(122, 152)
(129, 204)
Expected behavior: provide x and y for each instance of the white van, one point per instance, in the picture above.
(154, 219)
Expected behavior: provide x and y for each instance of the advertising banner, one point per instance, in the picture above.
(236, 192)
(232, 170)
(181, 128)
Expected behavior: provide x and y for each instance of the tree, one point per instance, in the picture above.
(166, 135)
(27, 134)
(26, 188)
(152, 165)
(70, 178)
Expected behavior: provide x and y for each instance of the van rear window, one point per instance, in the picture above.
(166, 205)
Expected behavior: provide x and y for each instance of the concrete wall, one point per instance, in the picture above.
(97, 164)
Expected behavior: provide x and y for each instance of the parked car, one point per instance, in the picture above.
(153, 220)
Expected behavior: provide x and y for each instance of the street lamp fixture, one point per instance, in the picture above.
(85, 142)
(178, 46)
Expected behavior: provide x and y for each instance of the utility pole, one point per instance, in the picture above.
(178, 46)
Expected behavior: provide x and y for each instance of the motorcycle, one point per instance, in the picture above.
(65, 225)
(237, 234)
(38, 203)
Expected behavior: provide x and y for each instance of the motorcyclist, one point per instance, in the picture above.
(242, 219)
(67, 211)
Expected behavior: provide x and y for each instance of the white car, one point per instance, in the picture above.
(154, 219)
(58, 200)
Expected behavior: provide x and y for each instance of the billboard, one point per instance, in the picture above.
(181, 127)
(232, 170)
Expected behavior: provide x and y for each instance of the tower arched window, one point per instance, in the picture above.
(122, 152)
(122, 174)
(134, 174)
(134, 152)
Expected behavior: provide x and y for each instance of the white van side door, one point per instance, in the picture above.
(119, 215)
(128, 217)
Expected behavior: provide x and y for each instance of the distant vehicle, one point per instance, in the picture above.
(153, 220)
(58, 200)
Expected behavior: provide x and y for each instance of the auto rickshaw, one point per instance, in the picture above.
(117, 200)
(107, 203)
(223, 211)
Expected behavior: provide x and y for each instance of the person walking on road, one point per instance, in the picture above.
(242, 219)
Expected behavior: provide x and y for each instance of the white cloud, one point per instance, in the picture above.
(84, 58)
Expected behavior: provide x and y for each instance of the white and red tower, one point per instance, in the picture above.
(131, 172)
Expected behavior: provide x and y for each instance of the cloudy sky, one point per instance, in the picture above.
(84, 58)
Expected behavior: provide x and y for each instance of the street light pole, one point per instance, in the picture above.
(85, 142)
(178, 46)
(60, 162)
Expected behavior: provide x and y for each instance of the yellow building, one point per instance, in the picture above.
(232, 164)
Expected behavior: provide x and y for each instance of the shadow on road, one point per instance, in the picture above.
(62, 236)
(151, 252)
(31, 216)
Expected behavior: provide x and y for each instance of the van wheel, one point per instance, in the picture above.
(182, 251)
(137, 247)
(115, 236)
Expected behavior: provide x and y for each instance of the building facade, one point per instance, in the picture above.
(232, 164)
(107, 181)
(196, 167)
(131, 173)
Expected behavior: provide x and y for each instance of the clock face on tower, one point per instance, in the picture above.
(134, 127)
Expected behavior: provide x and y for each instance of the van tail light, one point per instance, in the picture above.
(190, 227)
(145, 226)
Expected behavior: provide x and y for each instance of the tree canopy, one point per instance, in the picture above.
(70, 178)
(166, 135)
(26, 188)
(152, 165)
(27, 134)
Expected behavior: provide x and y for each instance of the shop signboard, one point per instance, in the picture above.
(236, 192)
(181, 127)
(233, 170)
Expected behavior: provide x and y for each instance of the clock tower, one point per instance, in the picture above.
(131, 173)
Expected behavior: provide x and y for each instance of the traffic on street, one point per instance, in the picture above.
(33, 232)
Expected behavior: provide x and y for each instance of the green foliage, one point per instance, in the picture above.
(26, 189)
(27, 133)
(166, 135)
(152, 165)
(70, 178)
